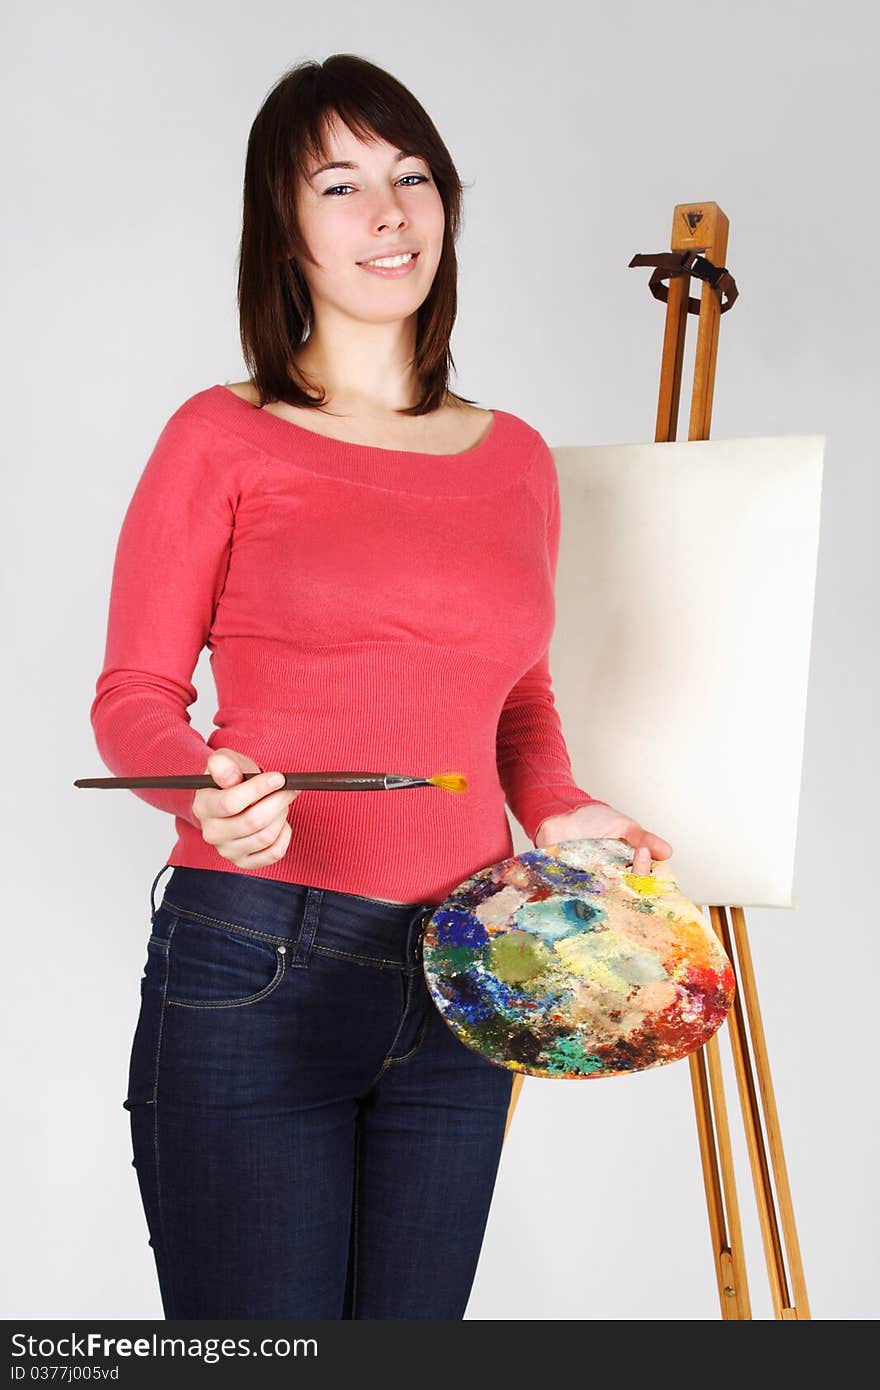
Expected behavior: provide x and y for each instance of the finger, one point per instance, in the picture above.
(269, 810)
(272, 853)
(230, 801)
(657, 847)
(224, 769)
(660, 849)
(254, 842)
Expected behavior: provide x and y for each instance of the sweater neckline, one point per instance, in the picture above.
(275, 430)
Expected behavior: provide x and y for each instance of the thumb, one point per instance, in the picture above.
(224, 770)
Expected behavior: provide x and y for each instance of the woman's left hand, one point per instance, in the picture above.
(598, 822)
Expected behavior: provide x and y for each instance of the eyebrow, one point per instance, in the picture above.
(350, 164)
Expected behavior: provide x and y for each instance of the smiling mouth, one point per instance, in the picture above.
(412, 256)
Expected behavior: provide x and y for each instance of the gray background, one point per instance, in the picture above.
(579, 127)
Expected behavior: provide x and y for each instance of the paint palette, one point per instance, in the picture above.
(562, 962)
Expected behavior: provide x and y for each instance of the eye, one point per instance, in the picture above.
(420, 178)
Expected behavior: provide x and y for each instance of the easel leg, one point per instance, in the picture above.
(730, 1262)
(518, 1080)
(727, 1244)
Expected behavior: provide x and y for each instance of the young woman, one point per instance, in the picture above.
(370, 560)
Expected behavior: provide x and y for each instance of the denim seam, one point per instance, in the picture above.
(397, 1033)
(155, 1084)
(358, 1147)
(381, 961)
(234, 1003)
(308, 929)
(165, 1260)
(219, 922)
(389, 1061)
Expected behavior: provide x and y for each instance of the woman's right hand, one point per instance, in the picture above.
(245, 821)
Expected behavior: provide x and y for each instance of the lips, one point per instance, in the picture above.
(396, 272)
(387, 255)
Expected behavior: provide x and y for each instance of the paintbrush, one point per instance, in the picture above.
(304, 781)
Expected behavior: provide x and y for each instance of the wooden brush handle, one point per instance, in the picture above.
(293, 781)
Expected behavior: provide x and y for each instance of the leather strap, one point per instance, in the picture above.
(672, 263)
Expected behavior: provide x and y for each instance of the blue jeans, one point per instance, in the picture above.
(311, 1139)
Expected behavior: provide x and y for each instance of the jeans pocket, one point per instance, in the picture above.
(214, 966)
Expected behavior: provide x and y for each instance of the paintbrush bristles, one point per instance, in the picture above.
(449, 781)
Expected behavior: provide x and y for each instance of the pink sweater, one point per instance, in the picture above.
(364, 608)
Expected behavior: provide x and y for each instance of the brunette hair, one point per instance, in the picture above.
(274, 304)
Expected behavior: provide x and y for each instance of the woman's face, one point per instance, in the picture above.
(370, 209)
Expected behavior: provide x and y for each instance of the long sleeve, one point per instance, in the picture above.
(171, 562)
(534, 767)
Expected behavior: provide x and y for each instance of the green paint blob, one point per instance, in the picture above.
(454, 960)
(517, 955)
(567, 1054)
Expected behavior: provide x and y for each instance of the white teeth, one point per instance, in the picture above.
(392, 261)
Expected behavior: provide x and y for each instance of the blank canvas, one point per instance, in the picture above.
(680, 657)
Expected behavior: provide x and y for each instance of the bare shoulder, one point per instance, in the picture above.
(465, 411)
(456, 427)
(246, 389)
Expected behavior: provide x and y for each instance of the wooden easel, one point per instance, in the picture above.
(698, 248)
